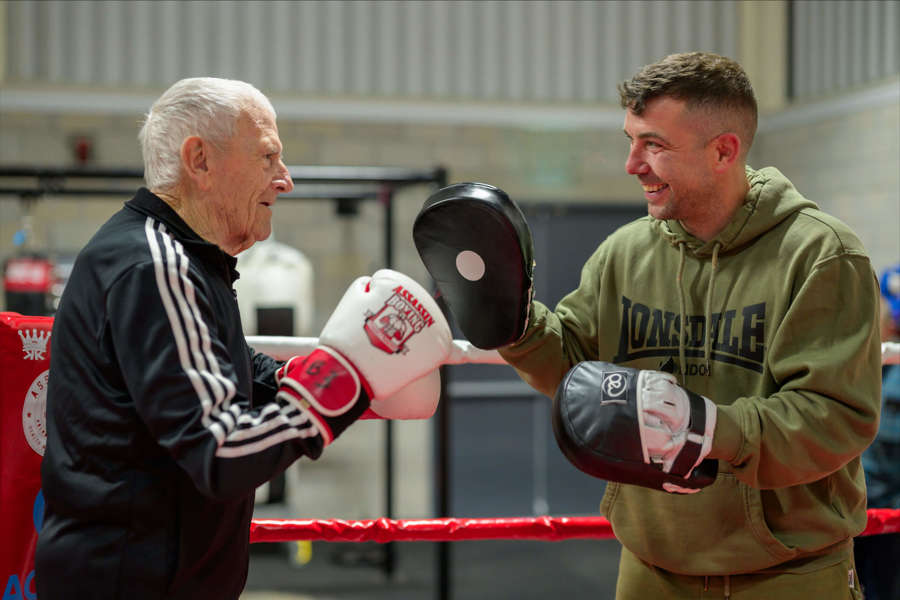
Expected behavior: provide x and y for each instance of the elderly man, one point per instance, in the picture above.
(161, 420)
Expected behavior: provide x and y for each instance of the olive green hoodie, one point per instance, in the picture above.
(793, 362)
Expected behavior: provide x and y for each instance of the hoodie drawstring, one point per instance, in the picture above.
(707, 347)
(707, 342)
(726, 584)
(684, 330)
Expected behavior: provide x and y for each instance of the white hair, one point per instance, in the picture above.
(207, 107)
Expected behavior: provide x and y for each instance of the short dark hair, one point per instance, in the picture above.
(702, 80)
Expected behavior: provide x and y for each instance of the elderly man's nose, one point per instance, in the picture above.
(284, 183)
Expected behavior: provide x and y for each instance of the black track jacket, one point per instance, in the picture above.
(161, 421)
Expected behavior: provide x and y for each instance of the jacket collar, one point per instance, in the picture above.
(148, 203)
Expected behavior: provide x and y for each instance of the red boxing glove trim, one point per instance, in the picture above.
(370, 414)
(279, 373)
(326, 381)
(325, 387)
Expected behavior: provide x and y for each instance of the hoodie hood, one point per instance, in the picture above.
(769, 201)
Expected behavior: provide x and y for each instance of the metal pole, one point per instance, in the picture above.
(442, 458)
(386, 197)
(442, 483)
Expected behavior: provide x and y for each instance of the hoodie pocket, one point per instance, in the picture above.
(756, 519)
(720, 530)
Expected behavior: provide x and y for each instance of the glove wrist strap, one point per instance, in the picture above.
(327, 389)
(693, 444)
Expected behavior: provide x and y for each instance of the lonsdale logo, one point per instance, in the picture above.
(401, 317)
(738, 334)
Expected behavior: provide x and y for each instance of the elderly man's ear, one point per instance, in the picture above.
(195, 162)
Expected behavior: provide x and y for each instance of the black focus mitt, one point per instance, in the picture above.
(606, 422)
(477, 246)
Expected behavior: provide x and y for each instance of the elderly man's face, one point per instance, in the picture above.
(249, 176)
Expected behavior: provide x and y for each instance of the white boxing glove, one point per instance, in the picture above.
(416, 400)
(672, 427)
(384, 334)
(390, 329)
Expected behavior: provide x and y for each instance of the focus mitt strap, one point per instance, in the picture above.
(599, 424)
(477, 246)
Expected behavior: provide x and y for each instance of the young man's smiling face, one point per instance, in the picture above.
(670, 155)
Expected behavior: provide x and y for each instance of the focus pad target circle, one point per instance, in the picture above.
(465, 221)
(470, 265)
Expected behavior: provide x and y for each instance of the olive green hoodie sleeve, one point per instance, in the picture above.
(557, 340)
(828, 370)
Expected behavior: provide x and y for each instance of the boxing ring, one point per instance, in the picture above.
(543, 528)
(21, 450)
(344, 185)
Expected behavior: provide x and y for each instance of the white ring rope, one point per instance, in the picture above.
(282, 348)
(462, 351)
(890, 353)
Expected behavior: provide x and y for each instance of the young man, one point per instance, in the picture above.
(737, 289)
(760, 303)
(161, 421)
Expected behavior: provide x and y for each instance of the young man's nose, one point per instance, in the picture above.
(635, 164)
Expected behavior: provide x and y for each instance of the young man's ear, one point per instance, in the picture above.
(727, 147)
(195, 161)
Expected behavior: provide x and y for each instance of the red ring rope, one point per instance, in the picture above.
(548, 529)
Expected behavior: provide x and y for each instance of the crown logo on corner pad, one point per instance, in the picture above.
(34, 343)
